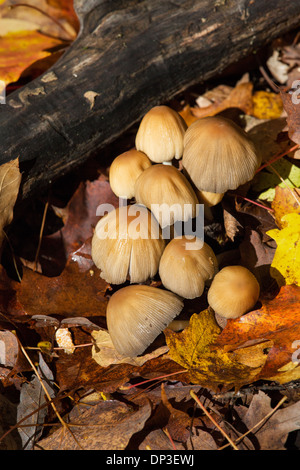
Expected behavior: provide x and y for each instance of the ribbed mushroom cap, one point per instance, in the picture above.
(218, 155)
(233, 292)
(167, 193)
(160, 134)
(127, 243)
(186, 264)
(125, 170)
(136, 315)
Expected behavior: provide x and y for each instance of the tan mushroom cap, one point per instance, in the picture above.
(137, 314)
(127, 243)
(186, 264)
(160, 134)
(167, 193)
(218, 155)
(233, 292)
(125, 170)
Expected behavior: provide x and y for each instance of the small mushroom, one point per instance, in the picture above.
(187, 263)
(127, 243)
(233, 292)
(218, 155)
(137, 314)
(167, 193)
(124, 171)
(160, 134)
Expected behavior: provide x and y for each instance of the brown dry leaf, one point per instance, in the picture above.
(278, 320)
(272, 435)
(79, 218)
(211, 368)
(10, 179)
(106, 425)
(240, 97)
(291, 100)
(76, 292)
(286, 201)
(179, 422)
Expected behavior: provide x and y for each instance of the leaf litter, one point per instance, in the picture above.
(53, 301)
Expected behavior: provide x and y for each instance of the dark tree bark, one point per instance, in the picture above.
(129, 56)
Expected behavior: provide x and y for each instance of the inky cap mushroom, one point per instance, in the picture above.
(160, 134)
(185, 266)
(233, 292)
(136, 315)
(124, 171)
(127, 243)
(167, 193)
(218, 155)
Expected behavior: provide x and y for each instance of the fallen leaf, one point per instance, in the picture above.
(285, 267)
(106, 425)
(267, 105)
(278, 320)
(286, 201)
(208, 367)
(105, 354)
(32, 400)
(240, 97)
(290, 99)
(273, 433)
(10, 179)
(282, 173)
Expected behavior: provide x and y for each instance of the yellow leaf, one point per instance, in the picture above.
(267, 105)
(210, 367)
(19, 50)
(285, 267)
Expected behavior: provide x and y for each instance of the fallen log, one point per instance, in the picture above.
(128, 57)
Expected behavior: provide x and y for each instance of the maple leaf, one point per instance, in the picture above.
(285, 267)
(278, 321)
(208, 367)
(285, 202)
(30, 33)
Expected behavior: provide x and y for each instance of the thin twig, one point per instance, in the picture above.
(166, 431)
(194, 396)
(260, 423)
(277, 157)
(41, 235)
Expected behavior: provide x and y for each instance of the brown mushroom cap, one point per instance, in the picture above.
(125, 170)
(127, 243)
(167, 193)
(136, 315)
(233, 292)
(218, 155)
(186, 264)
(160, 134)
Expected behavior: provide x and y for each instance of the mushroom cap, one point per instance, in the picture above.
(233, 291)
(127, 242)
(125, 170)
(186, 264)
(208, 198)
(160, 134)
(218, 155)
(167, 193)
(137, 314)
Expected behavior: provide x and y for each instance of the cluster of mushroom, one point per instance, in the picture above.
(128, 243)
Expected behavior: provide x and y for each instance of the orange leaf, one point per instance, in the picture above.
(18, 50)
(278, 321)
